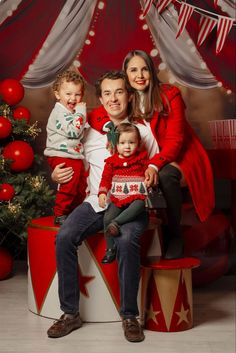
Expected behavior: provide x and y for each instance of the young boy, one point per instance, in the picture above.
(65, 130)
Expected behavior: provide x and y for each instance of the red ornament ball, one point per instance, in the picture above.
(7, 192)
(5, 127)
(6, 263)
(12, 91)
(21, 153)
(21, 113)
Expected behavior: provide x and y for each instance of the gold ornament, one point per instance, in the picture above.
(2, 163)
(34, 130)
(36, 182)
(6, 110)
(14, 209)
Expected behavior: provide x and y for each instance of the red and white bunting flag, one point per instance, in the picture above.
(185, 13)
(147, 6)
(223, 27)
(205, 27)
(162, 4)
(216, 3)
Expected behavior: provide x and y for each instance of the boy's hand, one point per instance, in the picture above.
(81, 108)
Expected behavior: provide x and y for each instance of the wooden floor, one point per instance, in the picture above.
(24, 332)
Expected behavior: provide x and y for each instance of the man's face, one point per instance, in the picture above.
(114, 98)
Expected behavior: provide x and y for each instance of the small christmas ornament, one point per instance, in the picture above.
(14, 209)
(21, 153)
(7, 192)
(5, 127)
(6, 263)
(34, 130)
(12, 91)
(36, 182)
(21, 113)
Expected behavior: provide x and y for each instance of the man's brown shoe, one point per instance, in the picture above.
(132, 330)
(64, 326)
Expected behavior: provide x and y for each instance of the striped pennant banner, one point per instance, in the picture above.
(185, 13)
(223, 27)
(162, 4)
(147, 6)
(205, 27)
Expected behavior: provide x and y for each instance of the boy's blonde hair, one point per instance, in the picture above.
(68, 76)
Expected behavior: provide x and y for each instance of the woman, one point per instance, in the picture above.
(182, 159)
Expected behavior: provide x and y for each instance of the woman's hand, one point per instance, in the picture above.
(62, 174)
(151, 177)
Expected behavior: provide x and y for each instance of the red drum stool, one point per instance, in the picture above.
(166, 298)
(99, 285)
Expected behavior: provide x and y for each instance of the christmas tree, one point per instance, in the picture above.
(24, 191)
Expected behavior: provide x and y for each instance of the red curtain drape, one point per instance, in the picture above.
(118, 30)
(23, 34)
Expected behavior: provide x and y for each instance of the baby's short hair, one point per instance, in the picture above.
(128, 127)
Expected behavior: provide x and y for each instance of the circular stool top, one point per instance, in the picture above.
(162, 264)
(46, 223)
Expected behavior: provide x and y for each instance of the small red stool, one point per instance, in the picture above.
(99, 285)
(166, 298)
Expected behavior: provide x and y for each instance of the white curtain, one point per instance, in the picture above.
(228, 6)
(7, 7)
(180, 55)
(63, 43)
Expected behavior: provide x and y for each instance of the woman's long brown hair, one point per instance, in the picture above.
(152, 98)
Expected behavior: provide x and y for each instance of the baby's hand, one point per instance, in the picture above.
(102, 199)
(151, 177)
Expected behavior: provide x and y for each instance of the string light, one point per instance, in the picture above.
(91, 33)
(171, 80)
(101, 5)
(77, 63)
(154, 52)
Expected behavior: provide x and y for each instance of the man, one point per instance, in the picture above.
(87, 219)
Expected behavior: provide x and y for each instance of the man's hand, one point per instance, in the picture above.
(151, 177)
(62, 174)
(102, 199)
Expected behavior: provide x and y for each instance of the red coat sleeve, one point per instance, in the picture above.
(169, 130)
(98, 118)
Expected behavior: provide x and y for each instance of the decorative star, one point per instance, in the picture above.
(182, 315)
(83, 280)
(151, 314)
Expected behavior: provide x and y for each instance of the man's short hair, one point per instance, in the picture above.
(111, 75)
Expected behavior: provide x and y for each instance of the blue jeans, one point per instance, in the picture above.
(82, 223)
